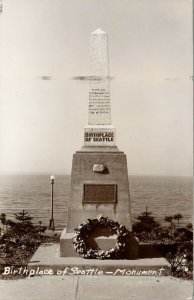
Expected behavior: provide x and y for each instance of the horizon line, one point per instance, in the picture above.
(69, 174)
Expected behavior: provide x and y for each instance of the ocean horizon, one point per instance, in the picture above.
(163, 195)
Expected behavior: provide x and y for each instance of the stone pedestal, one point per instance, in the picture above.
(83, 174)
(93, 193)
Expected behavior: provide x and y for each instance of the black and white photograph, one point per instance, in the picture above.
(96, 150)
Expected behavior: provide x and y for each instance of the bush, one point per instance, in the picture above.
(179, 241)
(183, 234)
(146, 223)
(21, 240)
(182, 261)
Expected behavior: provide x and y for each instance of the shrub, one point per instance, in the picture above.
(146, 223)
(178, 217)
(21, 239)
(182, 261)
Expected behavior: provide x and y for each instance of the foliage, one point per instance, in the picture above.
(147, 229)
(23, 228)
(189, 226)
(182, 261)
(156, 235)
(178, 217)
(146, 223)
(85, 229)
(24, 217)
(3, 219)
(21, 240)
(183, 234)
(169, 219)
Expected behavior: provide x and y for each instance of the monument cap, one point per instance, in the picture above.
(98, 31)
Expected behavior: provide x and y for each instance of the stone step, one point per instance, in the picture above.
(46, 261)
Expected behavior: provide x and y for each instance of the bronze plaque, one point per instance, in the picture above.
(100, 193)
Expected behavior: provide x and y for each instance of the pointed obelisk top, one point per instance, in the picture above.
(99, 65)
(98, 31)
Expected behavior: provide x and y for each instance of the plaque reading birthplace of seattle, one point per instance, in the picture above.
(100, 193)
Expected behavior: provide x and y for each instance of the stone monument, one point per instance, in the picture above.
(99, 186)
(99, 177)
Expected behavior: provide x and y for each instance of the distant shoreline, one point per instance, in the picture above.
(61, 174)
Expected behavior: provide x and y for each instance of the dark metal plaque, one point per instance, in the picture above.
(100, 193)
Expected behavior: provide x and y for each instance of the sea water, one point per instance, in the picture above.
(162, 195)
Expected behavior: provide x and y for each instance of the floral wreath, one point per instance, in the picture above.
(83, 231)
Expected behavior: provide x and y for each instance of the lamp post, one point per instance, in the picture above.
(51, 224)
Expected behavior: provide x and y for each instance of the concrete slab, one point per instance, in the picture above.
(96, 288)
(39, 288)
(47, 258)
(137, 288)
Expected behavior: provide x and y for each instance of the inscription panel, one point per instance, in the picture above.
(99, 103)
(100, 193)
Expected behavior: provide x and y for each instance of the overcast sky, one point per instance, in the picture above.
(150, 54)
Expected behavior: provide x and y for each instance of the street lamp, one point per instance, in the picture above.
(51, 224)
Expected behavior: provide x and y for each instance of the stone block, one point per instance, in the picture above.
(66, 245)
(102, 242)
(82, 174)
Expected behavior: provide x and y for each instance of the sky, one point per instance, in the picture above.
(44, 44)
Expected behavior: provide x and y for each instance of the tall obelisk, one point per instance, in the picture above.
(99, 177)
(99, 93)
(99, 131)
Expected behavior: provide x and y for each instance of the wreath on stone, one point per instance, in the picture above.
(84, 230)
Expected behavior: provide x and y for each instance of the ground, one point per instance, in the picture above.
(96, 288)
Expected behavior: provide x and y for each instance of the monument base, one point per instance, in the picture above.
(47, 259)
(93, 193)
(99, 186)
(103, 242)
